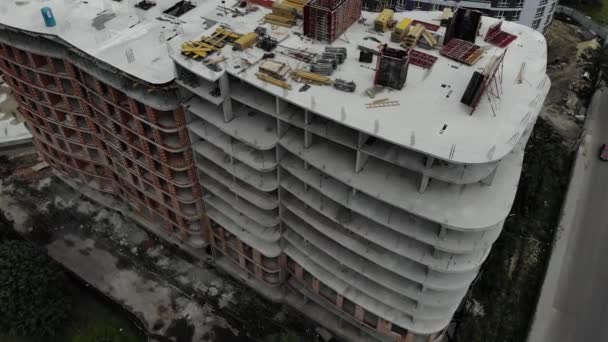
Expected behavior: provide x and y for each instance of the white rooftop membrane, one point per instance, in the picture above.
(140, 44)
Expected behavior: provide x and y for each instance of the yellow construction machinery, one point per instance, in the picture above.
(199, 49)
(383, 20)
(304, 76)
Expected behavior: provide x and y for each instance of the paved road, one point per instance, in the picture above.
(574, 301)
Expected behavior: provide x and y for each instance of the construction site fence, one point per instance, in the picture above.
(585, 21)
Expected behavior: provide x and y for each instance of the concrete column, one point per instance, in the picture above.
(490, 178)
(362, 139)
(339, 302)
(359, 313)
(424, 183)
(242, 260)
(257, 258)
(307, 139)
(362, 158)
(282, 127)
(384, 326)
(316, 285)
(299, 272)
(224, 83)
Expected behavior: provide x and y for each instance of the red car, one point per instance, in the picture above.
(604, 152)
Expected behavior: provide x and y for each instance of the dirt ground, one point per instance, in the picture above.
(563, 42)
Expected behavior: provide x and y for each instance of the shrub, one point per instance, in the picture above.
(32, 302)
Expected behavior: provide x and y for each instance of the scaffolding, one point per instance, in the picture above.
(326, 20)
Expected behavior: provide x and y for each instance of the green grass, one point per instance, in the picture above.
(598, 13)
(93, 320)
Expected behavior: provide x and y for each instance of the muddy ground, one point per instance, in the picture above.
(175, 297)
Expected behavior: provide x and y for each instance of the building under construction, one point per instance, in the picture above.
(366, 200)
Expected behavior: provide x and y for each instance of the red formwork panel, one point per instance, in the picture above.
(496, 36)
(421, 59)
(428, 26)
(263, 3)
(462, 51)
(326, 20)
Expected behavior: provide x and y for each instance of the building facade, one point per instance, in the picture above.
(372, 223)
(536, 14)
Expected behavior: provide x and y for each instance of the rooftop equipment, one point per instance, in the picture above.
(391, 69)
(463, 25)
(326, 20)
(345, 86)
(383, 20)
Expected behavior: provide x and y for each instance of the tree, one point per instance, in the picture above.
(594, 63)
(32, 298)
(7, 232)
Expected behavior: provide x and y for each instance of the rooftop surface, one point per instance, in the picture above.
(430, 100)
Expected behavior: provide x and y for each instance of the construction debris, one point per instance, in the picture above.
(304, 76)
(344, 85)
(274, 69)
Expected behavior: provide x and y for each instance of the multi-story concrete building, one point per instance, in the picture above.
(372, 220)
(536, 14)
